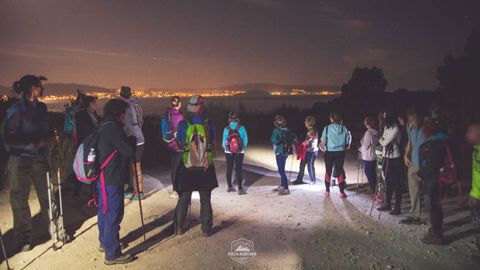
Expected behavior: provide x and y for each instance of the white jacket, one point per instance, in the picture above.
(391, 138)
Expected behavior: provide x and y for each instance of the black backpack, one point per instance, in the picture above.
(288, 141)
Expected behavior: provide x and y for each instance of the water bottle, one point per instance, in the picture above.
(91, 155)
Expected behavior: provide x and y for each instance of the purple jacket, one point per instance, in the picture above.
(174, 117)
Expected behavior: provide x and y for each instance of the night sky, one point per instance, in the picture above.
(201, 43)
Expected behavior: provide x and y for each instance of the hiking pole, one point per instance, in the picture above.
(4, 250)
(60, 200)
(139, 198)
(50, 212)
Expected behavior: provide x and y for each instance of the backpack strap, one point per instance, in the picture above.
(102, 179)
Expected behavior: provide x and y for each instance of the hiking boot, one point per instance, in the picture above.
(313, 182)
(296, 183)
(231, 189)
(174, 195)
(67, 238)
(180, 231)
(207, 233)
(25, 246)
(327, 193)
(433, 239)
(285, 191)
(241, 192)
(137, 196)
(123, 259)
(343, 195)
(395, 212)
(384, 208)
(278, 189)
(411, 221)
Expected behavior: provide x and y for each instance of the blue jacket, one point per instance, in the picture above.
(27, 124)
(336, 138)
(243, 136)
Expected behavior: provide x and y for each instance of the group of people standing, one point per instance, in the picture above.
(191, 139)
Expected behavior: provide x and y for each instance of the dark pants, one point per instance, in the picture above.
(22, 173)
(175, 159)
(433, 196)
(236, 160)
(476, 225)
(281, 163)
(370, 170)
(308, 162)
(394, 172)
(206, 212)
(109, 222)
(334, 164)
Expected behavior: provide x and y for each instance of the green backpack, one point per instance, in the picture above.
(198, 153)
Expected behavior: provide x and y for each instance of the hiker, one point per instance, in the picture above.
(335, 140)
(235, 141)
(133, 127)
(309, 146)
(111, 205)
(26, 134)
(412, 162)
(473, 137)
(196, 172)
(86, 120)
(283, 140)
(367, 152)
(432, 158)
(392, 164)
(170, 120)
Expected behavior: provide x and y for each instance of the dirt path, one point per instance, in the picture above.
(300, 231)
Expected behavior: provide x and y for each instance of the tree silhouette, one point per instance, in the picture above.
(365, 82)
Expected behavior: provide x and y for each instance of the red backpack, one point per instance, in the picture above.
(448, 172)
(234, 142)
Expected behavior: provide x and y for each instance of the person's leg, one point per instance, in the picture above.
(206, 212)
(301, 171)
(112, 219)
(308, 160)
(19, 177)
(100, 217)
(369, 168)
(313, 176)
(476, 225)
(339, 171)
(281, 167)
(230, 161)
(329, 161)
(414, 190)
(387, 203)
(283, 172)
(238, 170)
(181, 210)
(398, 182)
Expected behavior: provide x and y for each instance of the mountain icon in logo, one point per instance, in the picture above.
(242, 248)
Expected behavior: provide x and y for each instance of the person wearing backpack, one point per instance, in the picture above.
(133, 127)
(411, 160)
(170, 121)
(283, 140)
(335, 140)
(26, 133)
(473, 137)
(235, 141)
(432, 155)
(196, 172)
(392, 164)
(86, 120)
(310, 144)
(116, 150)
(367, 152)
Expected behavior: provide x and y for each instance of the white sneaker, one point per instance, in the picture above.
(174, 195)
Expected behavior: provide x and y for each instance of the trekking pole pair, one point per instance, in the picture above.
(4, 250)
(377, 188)
(139, 197)
(56, 224)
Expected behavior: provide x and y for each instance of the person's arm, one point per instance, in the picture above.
(348, 139)
(244, 137)
(275, 137)
(323, 139)
(119, 141)
(366, 142)
(408, 151)
(389, 135)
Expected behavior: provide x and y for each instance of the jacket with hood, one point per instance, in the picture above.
(336, 138)
(432, 157)
(367, 145)
(175, 116)
(277, 140)
(134, 121)
(390, 141)
(243, 135)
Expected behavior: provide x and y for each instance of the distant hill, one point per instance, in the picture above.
(71, 88)
(267, 87)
